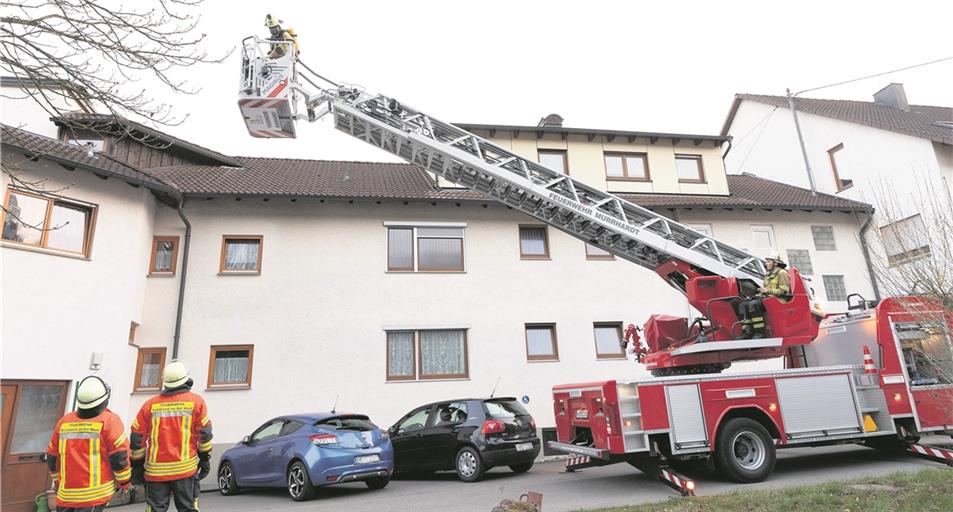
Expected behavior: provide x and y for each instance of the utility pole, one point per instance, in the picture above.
(800, 139)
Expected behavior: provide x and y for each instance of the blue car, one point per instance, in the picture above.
(306, 451)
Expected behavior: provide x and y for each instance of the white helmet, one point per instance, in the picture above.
(776, 257)
(91, 392)
(175, 374)
(271, 21)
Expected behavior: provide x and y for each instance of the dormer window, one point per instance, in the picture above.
(87, 139)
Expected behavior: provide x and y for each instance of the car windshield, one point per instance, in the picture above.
(504, 408)
(352, 423)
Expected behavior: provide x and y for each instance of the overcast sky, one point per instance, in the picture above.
(652, 66)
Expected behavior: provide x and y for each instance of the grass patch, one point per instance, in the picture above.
(925, 491)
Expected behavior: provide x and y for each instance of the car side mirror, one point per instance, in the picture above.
(246, 440)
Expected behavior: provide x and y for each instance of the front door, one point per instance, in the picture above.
(441, 437)
(30, 412)
(407, 436)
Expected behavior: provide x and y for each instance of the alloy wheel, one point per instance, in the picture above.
(224, 478)
(296, 481)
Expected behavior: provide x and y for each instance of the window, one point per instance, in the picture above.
(425, 248)
(291, 426)
(608, 340)
(762, 237)
(417, 420)
(905, 240)
(927, 353)
(843, 178)
(834, 286)
(83, 138)
(269, 430)
(230, 366)
(627, 166)
(241, 254)
(801, 260)
(541, 342)
(165, 250)
(534, 243)
(597, 253)
(48, 222)
(704, 229)
(450, 414)
(427, 354)
(823, 238)
(149, 366)
(689, 169)
(133, 327)
(554, 159)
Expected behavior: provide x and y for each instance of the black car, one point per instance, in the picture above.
(469, 436)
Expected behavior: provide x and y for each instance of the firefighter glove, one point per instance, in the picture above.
(138, 473)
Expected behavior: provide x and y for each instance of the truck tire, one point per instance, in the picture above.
(744, 451)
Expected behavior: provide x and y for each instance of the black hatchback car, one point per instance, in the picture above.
(469, 436)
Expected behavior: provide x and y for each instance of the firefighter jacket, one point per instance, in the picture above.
(170, 433)
(778, 284)
(88, 458)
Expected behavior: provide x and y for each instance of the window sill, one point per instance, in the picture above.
(240, 273)
(160, 275)
(542, 360)
(694, 182)
(146, 391)
(537, 258)
(43, 250)
(425, 272)
(848, 187)
(228, 388)
(611, 358)
(624, 178)
(435, 379)
(600, 258)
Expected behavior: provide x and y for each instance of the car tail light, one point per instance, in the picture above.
(324, 439)
(532, 424)
(493, 427)
(385, 435)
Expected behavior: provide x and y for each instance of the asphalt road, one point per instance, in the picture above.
(615, 485)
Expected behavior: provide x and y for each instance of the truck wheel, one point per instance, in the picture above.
(745, 451)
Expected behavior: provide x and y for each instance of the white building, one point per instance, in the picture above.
(309, 282)
(888, 153)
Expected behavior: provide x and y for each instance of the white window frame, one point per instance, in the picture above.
(705, 229)
(414, 226)
(767, 228)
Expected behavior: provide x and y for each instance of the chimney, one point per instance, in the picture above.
(551, 120)
(892, 96)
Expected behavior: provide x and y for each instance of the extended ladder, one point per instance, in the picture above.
(589, 214)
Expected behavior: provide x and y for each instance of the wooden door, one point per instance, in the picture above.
(30, 412)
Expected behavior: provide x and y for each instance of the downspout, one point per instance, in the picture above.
(185, 268)
(863, 244)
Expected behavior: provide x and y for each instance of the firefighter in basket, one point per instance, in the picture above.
(777, 283)
(279, 50)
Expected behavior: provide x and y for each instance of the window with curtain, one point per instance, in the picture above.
(427, 354)
(689, 168)
(165, 250)
(627, 166)
(231, 365)
(596, 253)
(555, 159)
(241, 254)
(534, 243)
(541, 342)
(608, 337)
(47, 222)
(149, 366)
(425, 249)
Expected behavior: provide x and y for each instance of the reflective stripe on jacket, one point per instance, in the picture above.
(88, 457)
(169, 433)
(778, 283)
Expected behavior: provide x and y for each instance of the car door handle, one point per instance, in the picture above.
(419, 435)
(269, 449)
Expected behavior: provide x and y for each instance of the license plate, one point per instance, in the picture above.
(367, 459)
(582, 414)
(522, 447)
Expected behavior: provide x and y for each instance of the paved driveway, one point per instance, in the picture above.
(607, 486)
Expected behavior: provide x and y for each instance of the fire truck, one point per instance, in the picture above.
(877, 375)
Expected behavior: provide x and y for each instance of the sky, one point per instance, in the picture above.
(649, 66)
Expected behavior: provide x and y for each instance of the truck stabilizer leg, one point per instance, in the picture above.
(582, 462)
(929, 452)
(677, 481)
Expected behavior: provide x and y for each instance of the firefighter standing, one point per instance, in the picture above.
(88, 455)
(776, 284)
(172, 443)
(278, 50)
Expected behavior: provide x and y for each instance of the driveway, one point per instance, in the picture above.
(614, 485)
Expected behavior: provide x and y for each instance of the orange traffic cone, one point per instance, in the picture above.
(868, 361)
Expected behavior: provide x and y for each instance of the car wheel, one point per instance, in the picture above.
(227, 485)
(469, 465)
(299, 482)
(745, 451)
(521, 468)
(377, 483)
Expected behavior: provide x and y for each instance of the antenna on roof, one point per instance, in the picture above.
(494, 387)
(334, 408)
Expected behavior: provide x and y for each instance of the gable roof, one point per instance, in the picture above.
(150, 135)
(922, 121)
(592, 133)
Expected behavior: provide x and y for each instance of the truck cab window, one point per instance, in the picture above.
(927, 353)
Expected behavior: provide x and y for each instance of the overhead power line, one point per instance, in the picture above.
(875, 75)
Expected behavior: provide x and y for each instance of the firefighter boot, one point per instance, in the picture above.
(757, 327)
(747, 330)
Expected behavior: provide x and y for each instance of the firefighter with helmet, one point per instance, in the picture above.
(88, 454)
(172, 443)
(777, 283)
(278, 50)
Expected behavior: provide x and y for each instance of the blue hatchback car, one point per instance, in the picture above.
(305, 451)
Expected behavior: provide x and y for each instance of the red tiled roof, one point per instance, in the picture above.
(932, 123)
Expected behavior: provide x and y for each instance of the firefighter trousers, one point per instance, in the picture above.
(97, 508)
(185, 492)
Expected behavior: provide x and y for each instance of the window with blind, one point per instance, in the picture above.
(149, 366)
(47, 222)
(165, 250)
(834, 288)
(627, 166)
(230, 366)
(534, 243)
(427, 354)
(541, 342)
(823, 238)
(608, 340)
(801, 260)
(425, 248)
(905, 240)
(241, 254)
